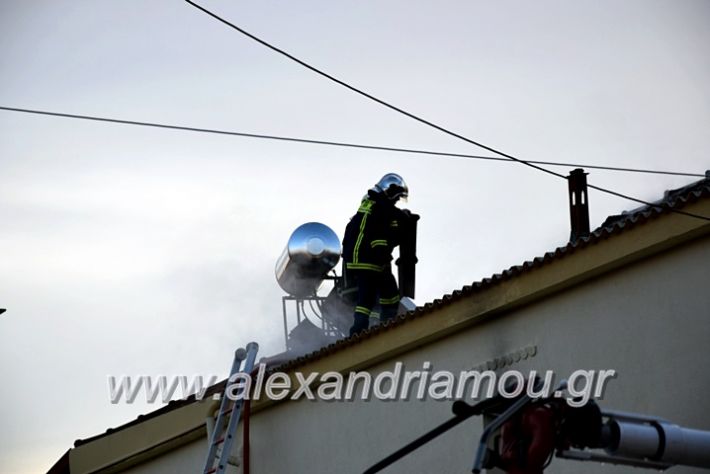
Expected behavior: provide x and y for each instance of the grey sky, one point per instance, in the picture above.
(134, 251)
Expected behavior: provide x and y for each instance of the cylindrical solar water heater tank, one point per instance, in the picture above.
(312, 251)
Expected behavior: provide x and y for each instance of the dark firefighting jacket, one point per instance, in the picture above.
(372, 234)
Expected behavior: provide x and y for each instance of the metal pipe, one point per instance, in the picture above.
(646, 441)
(686, 446)
(407, 261)
(283, 304)
(636, 440)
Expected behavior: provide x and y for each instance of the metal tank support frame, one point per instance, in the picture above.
(299, 302)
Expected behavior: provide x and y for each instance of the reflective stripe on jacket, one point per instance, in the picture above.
(371, 234)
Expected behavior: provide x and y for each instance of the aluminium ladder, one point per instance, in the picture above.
(225, 427)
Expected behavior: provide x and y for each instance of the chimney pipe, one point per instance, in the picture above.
(407, 260)
(578, 204)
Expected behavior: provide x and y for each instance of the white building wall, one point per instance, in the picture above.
(187, 459)
(650, 322)
(190, 458)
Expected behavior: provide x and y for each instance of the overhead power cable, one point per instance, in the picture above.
(422, 120)
(333, 143)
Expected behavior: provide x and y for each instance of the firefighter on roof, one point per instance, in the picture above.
(370, 237)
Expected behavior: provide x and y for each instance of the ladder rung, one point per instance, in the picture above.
(219, 441)
(227, 411)
(214, 469)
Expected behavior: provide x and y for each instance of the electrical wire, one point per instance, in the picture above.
(422, 120)
(335, 143)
